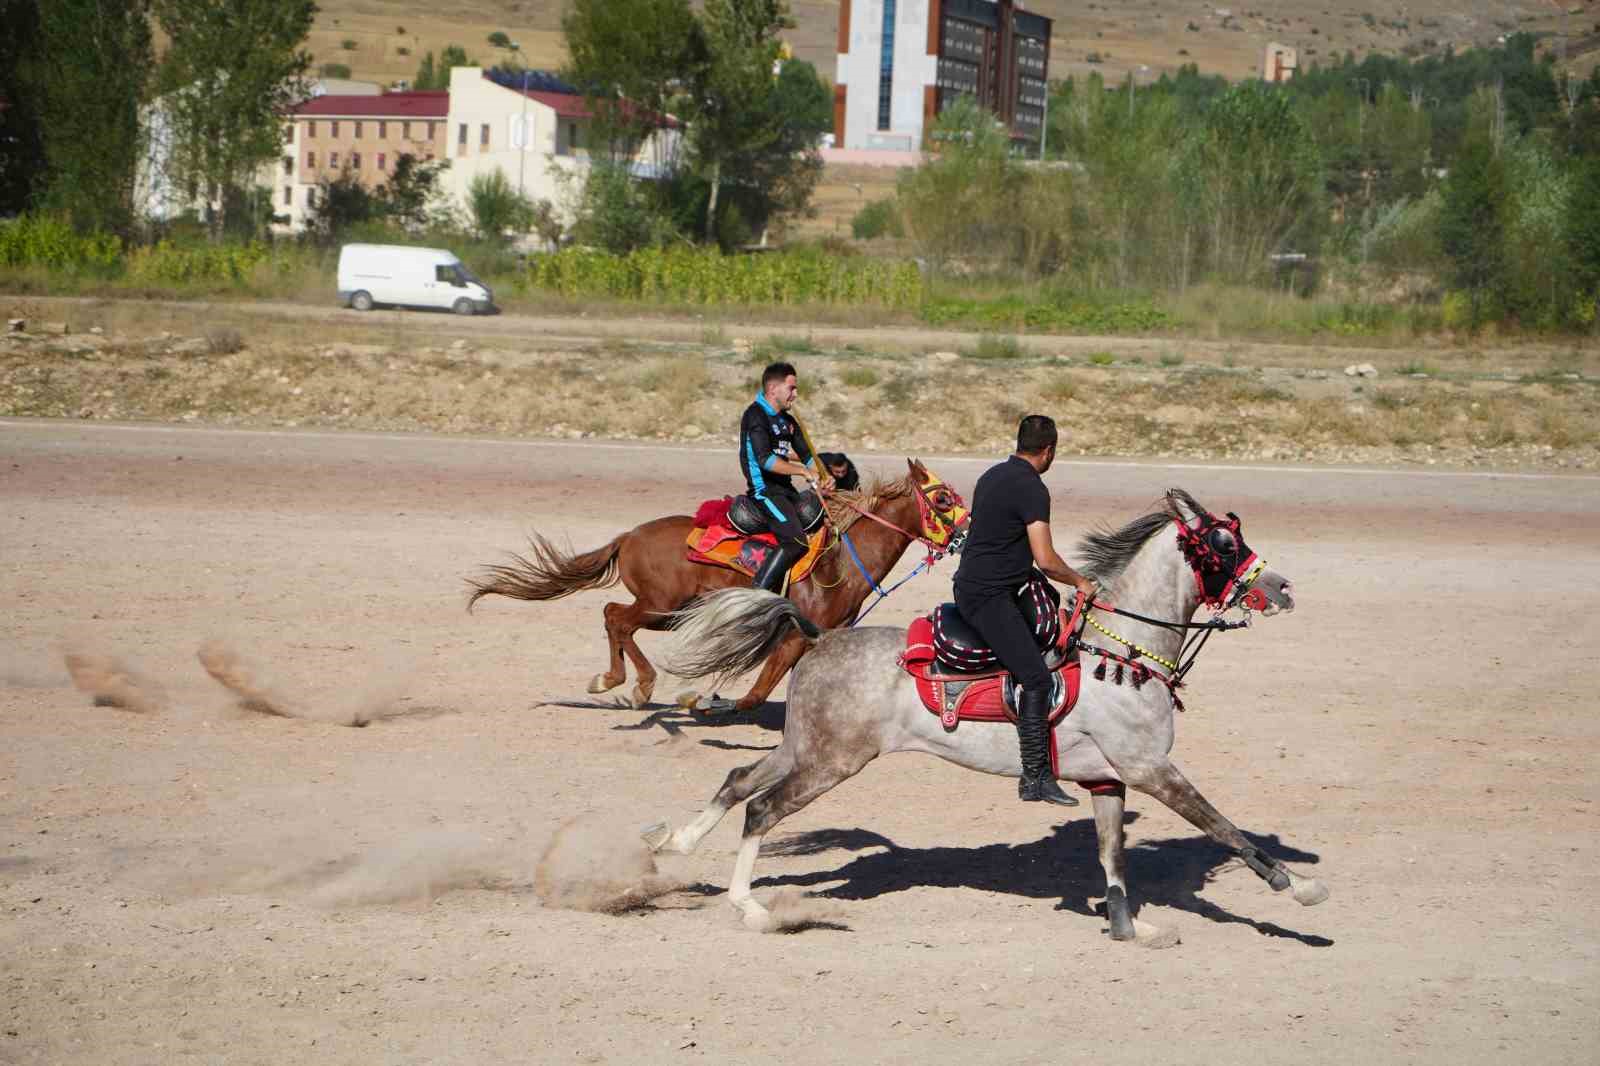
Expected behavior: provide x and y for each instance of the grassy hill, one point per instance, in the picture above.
(383, 40)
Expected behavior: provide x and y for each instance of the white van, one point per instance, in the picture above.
(372, 274)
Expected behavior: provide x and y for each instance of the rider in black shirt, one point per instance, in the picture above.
(1009, 536)
(772, 450)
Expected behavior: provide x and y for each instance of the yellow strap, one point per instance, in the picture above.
(1146, 652)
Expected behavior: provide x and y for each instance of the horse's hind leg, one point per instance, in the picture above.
(763, 812)
(1166, 783)
(617, 673)
(740, 785)
(622, 621)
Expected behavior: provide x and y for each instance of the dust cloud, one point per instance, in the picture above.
(112, 683)
(594, 865)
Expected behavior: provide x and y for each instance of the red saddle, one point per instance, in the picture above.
(983, 696)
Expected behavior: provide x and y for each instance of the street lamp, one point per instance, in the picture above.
(522, 123)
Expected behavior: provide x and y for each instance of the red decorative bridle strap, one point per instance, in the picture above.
(933, 547)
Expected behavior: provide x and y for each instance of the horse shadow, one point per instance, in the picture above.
(1064, 866)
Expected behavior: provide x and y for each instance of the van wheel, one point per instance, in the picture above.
(361, 301)
(462, 306)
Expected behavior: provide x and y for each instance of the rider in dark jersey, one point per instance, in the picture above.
(772, 450)
(1009, 536)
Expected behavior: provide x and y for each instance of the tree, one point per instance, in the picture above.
(234, 68)
(1583, 231)
(405, 198)
(1472, 223)
(777, 177)
(730, 105)
(342, 202)
(1256, 174)
(89, 75)
(21, 135)
(629, 56)
(498, 39)
(437, 76)
(497, 207)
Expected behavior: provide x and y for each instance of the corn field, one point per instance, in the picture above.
(703, 276)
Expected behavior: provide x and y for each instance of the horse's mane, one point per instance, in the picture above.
(879, 491)
(1107, 551)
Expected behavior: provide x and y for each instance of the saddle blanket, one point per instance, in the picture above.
(713, 542)
(990, 696)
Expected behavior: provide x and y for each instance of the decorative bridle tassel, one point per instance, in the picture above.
(1100, 671)
(1119, 673)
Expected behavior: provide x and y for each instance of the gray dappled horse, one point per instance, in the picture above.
(850, 701)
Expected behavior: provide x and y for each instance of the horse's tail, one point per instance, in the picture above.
(734, 630)
(547, 573)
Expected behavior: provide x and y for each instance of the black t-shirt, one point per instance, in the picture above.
(997, 559)
(766, 435)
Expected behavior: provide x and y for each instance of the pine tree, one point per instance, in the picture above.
(1472, 224)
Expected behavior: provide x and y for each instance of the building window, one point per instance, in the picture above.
(355, 160)
(311, 160)
(311, 128)
(358, 129)
(886, 66)
(288, 164)
(461, 140)
(311, 197)
(406, 128)
(383, 161)
(572, 136)
(483, 136)
(383, 130)
(333, 160)
(288, 195)
(431, 127)
(334, 128)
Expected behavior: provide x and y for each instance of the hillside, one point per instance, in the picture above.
(384, 40)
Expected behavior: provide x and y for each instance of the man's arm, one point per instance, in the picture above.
(1055, 568)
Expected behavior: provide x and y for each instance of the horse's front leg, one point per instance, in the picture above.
(778, 664)
(1108, 810)
(1166, 783)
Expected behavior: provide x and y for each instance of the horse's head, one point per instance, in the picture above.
(944, 513)
(1226, 572)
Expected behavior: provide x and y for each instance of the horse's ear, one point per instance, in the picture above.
(916, 468)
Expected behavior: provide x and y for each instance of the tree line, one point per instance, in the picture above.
(1477, 173)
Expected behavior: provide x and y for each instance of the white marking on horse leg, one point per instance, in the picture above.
(687, 838)
(600, 683)
(755, 915)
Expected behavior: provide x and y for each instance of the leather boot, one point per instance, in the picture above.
(1037, 784)
(774, 571)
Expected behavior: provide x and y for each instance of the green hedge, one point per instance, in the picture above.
(1016, 313)
(36, 240)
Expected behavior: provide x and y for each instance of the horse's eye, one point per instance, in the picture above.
(942, 501)
(1222, 542)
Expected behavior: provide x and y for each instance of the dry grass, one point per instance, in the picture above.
(911, 403)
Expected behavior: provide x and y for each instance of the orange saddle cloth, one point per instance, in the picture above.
(720, 545)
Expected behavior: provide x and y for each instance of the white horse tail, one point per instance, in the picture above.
(734, 630)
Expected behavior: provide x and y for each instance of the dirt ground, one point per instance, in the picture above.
(196, 881)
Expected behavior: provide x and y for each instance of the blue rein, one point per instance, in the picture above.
(883, 593)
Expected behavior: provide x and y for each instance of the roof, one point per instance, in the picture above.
(421, 103)
(572, 105)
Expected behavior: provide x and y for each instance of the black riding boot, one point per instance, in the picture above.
(772, 573)
(1033, 734)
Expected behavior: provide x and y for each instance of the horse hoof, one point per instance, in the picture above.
(755, 917)
(712, 706)
(1310, 892)
(598, 684)
(655, 835)
(688, 700)
(640, 698)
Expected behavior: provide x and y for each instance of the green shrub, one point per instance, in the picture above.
(992, 347)
(880, 218)
(861, 377)
(38, 240)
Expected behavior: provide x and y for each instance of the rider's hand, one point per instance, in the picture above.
(823, 482)
(1089, 589)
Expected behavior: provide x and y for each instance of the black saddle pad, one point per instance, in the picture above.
(959, 648)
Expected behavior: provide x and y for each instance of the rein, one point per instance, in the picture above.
(936, 551)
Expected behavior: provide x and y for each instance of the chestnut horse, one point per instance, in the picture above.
(651, 561)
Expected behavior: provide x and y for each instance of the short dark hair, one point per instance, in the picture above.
(1035, 434)
(776, 372)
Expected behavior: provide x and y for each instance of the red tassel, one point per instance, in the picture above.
(1100, 671)
(1119, 673)
(1140, 675)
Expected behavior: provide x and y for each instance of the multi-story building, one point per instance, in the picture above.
(902, 62)
(360, 135)
(533, 129)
